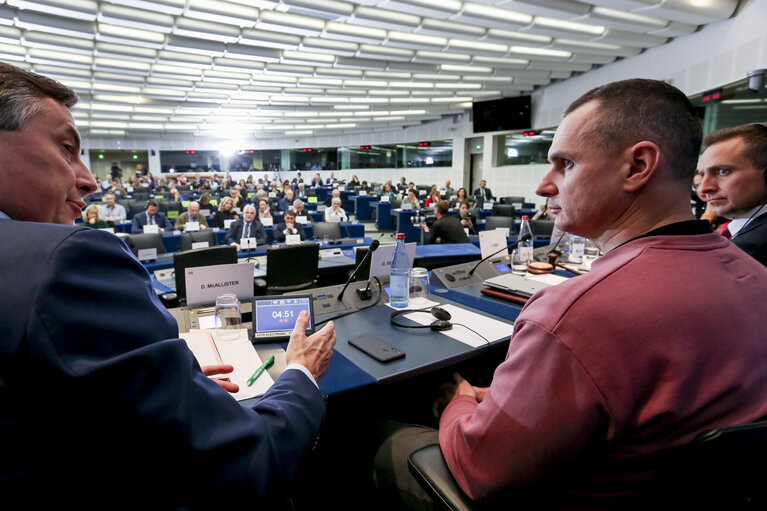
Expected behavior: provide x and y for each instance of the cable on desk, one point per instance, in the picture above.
(479, 334)
(344, 314)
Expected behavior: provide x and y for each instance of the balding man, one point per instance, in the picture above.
(192, 214)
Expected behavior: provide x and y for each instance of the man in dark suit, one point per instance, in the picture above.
(734, 183)
(149, 217)
(447, 228)
(483, 194)
(132, 407)
(246, 227)
(288, 227)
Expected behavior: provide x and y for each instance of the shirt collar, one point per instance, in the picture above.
(739, 223)
(3, 215)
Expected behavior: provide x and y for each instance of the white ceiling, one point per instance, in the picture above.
(261, 68)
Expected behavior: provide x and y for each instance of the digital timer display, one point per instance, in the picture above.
(280, 314)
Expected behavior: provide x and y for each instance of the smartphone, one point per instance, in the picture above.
(376, 348)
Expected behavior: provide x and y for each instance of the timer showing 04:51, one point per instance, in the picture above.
(282, 314)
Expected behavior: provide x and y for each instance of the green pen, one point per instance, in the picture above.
(269, 361)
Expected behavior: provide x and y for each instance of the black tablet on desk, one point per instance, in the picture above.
(275, 316)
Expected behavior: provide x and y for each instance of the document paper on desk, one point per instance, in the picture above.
(491, 329)
(236, 350)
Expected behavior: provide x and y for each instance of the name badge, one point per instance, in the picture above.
(247, 243)
(151, 229)
(268, 221)
(192, 226)
(407, 206)
(385, 198)
(293, 239)
(147, 254)
(362, 193)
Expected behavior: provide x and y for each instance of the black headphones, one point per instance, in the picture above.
(442, 322)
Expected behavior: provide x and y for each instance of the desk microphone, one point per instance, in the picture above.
(373, 247)
(510, 245)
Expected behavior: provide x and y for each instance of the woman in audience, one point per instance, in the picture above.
(433, 199)
(468, 220)
(364, 186)
(462, 196)
(205, 202)
(355, 181)
(225, 212)
(335, 213)
(263, 209)
(91, 218)
(175, 195)
(386, 190)
(411, 199)
(543, 213)
(249, 183)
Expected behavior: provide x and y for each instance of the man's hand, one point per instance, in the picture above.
(464, 388)
(228, 386)
(289, 227)
(313, 352)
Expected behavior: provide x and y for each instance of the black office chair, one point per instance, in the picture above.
(166, 205)
(137, 207)
(720, 469)
(188, 238)
(542, 227)
(291, 267)
(331, 229)
(140, 194)
(503, 210)
(226, 254)
(494, 222)
(138, 242)
(512, 200)
(396, 203)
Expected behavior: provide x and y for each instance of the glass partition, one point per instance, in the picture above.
(523, 148)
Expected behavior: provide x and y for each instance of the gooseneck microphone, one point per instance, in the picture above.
(373, 247)
(510, 245)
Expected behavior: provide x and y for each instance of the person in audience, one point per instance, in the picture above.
(365, 188)
(192, 214)
(225, 212)
(335, 194)
(246, 227)
(448, 191)
(432, 200)
(355, 181)
(288, 226)
(111, 211)
(236, 196)
(463, 196)
(467, 218)
(175, 195)
(249, 184)
(301, 191)
(162, 186)
(734, 170)
(544, 213)
(150, 216)
(447, 228)
(117, 188)
(263, 209)
(274, 191)
(402, 184)
(332, 179)
(106, 183)
(411, 199)
(387, 191)
(286, 201)
(317, 181)
(91, 218)
(594, 398)
(301, 214)
(335, 213)
(205, 202)
(483, 194)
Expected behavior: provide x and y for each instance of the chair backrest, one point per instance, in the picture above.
(143, 241)
(503, 210)
(396, 203)
(137, 207)
(188, 238)
(331, 229)
(512, 200)
(494, 222)
(542, 227)
(210, 256)
(292, 267)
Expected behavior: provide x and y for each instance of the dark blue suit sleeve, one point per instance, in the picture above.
(130, 405)
(136, 226)
(260, 234)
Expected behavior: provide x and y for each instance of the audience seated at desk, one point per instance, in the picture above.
(336, 194)
(246, 227)
(335, 213)
(447, 228)
(483, 194)
(288, 227)
(239, 200)
(411, 200)
(432, 199)
(467, 218)
(317, 180)
(150, 216)
(286, 202)
(111, 211)
(448, 191)
(734, 170)
(331, 179)
(225, 212)
(263, 209)
(301, 213)
(192, 214)
(386, 190)
(609, 372)
(91, 218)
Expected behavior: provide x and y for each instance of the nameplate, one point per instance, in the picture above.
(192, 226)
(517, 205)
(487, 205)
(228, 223)
(341, 188)
(453, 197)
(293, 239)
(407, 206)
(492, 241)
(108, 229)
(301, 220)
(147, 254)
(129, 189)
(267, 221)
(272, 194)
(151, 229)
(205, 212)
(248, 243)
(205, 283)
(362, 193)
(321, 208)
(145, 185)
(421, 193)
(380, 260)
(384, 198)
(311, 200)
(200, 244)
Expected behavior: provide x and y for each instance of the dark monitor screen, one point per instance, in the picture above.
(501, 114)
(201, 257)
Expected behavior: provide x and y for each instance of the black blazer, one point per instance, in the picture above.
(752, 239)
(279, 231)
(236, 229)
(449, 230)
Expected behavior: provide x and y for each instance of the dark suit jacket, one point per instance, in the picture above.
(449, 230)
(99, 396)
(483, 195)
(141, 219)
(279, 234)
(236, 229)
(752, 239)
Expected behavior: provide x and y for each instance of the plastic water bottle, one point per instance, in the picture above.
(577, 248)
(525, 248)
(400, 275)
